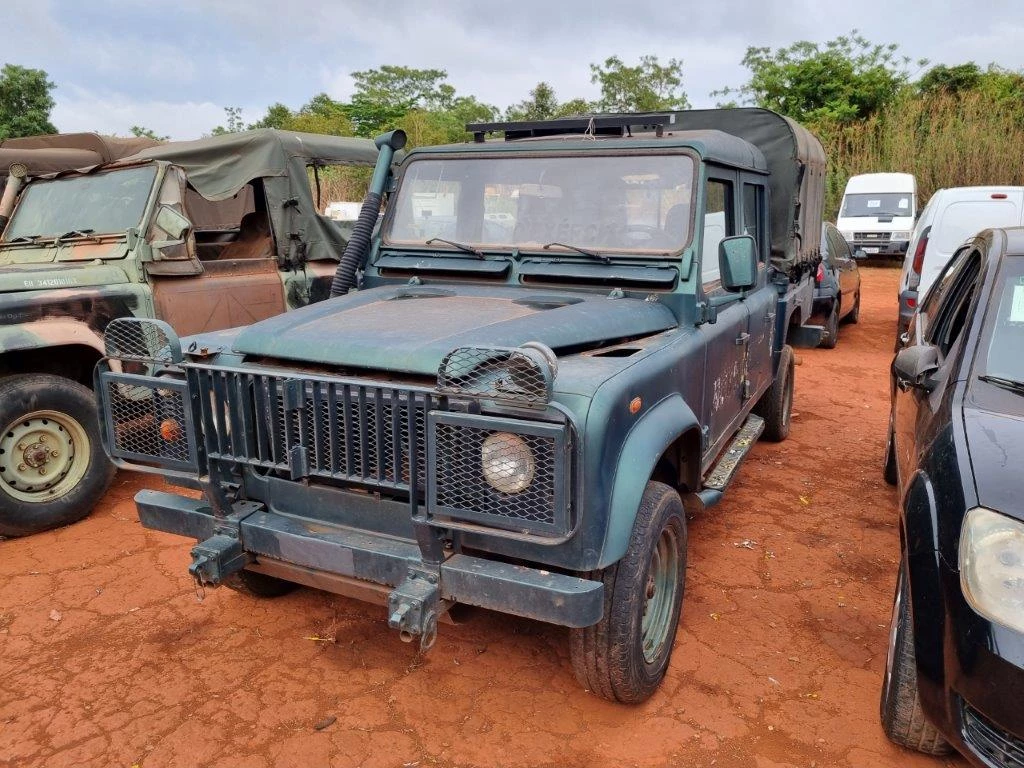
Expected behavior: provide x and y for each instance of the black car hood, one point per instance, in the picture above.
(411, 328)
(996, 444)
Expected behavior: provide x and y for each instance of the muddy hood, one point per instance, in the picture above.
(411, 328)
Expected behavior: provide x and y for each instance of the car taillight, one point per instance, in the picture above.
(911, 303)
(922, 245)
(820, 277)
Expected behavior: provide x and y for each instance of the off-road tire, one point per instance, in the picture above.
(259, 584)
(889, 471)
(608, 658)
(23, 395)
(900, 707)
(853, 317)
(776, 405)
(831, 337)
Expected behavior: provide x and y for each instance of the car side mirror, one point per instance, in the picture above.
(914, 366)
(173, 223)
(737, 263)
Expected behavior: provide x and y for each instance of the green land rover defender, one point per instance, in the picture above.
(557, 344)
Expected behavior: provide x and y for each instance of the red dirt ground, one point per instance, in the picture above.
(107, 658)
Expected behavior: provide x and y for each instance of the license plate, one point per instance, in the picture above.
(870, 249)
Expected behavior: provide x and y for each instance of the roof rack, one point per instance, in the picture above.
(593, 125)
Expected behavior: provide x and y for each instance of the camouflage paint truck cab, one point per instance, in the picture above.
(206, 235)
(560, 342)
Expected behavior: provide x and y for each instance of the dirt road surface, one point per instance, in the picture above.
(107, 658)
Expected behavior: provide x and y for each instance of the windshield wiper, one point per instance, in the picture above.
(73, 233)
(585, 251)
(25, 239)
(1010, 384)
(461, 246)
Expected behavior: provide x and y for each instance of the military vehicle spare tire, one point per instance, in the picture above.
(776, 405)
(625, 655)
(52, 466)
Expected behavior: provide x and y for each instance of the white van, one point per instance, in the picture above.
(951, 217)
(877, 214)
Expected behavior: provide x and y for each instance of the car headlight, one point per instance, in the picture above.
(847, 235)
(899, 236)
(992, 566)
(507, 462)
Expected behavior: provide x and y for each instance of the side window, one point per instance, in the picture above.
(953, 311)
(934, 298)
(237, 227)
(753, 215)
(719, 219)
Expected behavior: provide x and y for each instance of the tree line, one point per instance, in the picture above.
(874, 108)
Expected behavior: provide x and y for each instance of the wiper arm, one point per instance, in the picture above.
(461, 246)
(25, 239)
(585, 251)
(1010, 384)
(73, 233)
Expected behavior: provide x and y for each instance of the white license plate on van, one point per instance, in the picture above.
(870, 249)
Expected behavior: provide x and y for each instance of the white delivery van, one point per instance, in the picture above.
(877, 213)
(951, 217)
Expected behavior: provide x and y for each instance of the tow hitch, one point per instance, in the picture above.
(217, 558)
(414, 607)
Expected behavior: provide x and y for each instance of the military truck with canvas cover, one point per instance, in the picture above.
(205, 235)
(560, 342)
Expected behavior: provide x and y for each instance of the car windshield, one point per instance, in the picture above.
(1003, 336)
(883, 204)
(101, 203)
(634, 204)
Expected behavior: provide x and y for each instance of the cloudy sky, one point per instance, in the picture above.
(173, 66)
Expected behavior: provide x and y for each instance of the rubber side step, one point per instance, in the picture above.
(723, 472)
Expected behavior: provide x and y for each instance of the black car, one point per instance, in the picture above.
(837, 285)
(955, 671)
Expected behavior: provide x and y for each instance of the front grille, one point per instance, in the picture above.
(991, 742)
(146, 420)
(879, 237)
(460, 490)
(359, 433)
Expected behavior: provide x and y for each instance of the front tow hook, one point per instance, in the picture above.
(413, 608)
(216, 558)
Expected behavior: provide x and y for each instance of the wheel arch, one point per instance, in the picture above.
(664, 445)
(65, 348)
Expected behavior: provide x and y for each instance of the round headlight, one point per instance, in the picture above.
(507, 462)
(992, 566)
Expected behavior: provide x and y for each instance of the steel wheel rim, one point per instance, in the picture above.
(662, 586)
(43, 455)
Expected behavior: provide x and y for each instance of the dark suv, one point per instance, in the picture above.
(560, 340)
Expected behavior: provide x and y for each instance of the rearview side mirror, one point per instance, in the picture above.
(173, 223)
(914, 366)
(737, 263)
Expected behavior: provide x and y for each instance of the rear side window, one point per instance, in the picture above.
(966, 218)
(953, 311)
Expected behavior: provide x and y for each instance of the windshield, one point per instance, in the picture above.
(100, 203)
(634, 203)
(883, 204)
(1003, 336)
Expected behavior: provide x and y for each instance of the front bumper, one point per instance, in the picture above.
(972, 685)
(880, 247)
(339, 559)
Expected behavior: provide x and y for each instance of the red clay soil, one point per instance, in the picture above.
(108, 659)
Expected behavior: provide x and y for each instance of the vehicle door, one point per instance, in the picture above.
(727, 339)
(763, 299)
(940, 322)
(227, 273)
